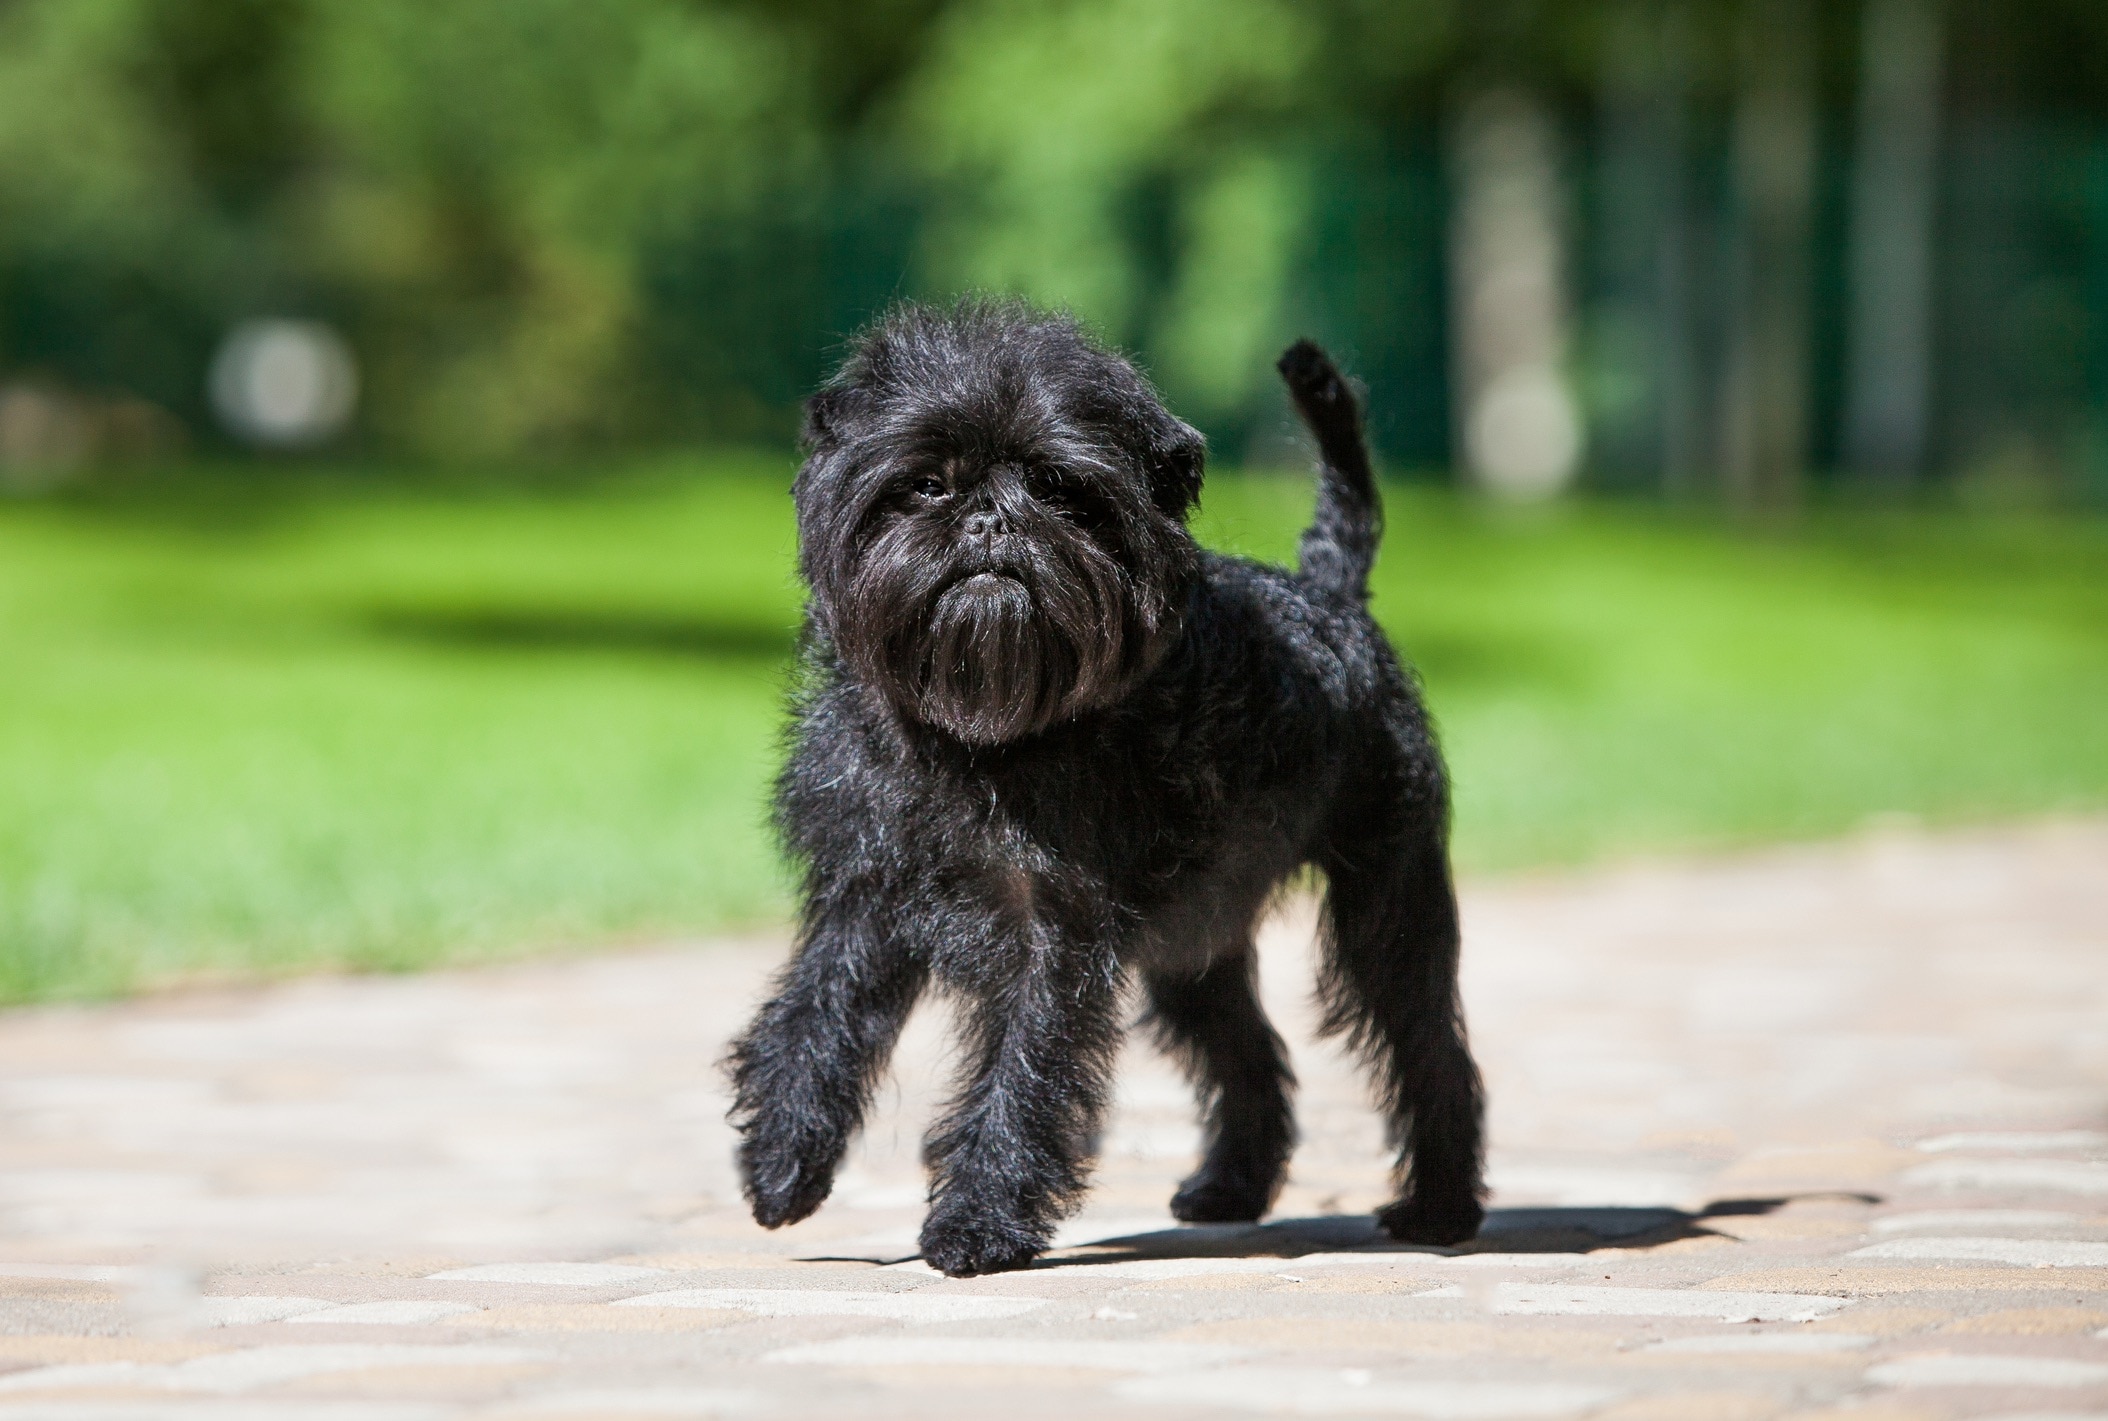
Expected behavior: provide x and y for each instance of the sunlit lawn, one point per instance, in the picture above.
(257, 722)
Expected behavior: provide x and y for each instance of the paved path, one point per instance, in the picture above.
(1806, 1133)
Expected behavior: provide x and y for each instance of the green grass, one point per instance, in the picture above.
(253, 723)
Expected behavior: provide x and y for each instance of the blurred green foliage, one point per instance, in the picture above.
(261, 716)
(549, 226)
(259, 721)
(466, 186)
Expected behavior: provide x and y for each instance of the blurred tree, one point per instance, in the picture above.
(111, 259)
(492, 167)
(465, 186)
(1763, 431)
(1895, 207)
(545, 225)
(1241, 222)
(222, 77)
(854, 54)
(1160, 166)
(1040, 118)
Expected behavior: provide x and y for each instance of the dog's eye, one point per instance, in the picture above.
(927, 487)
(1053, 488)
(1071, 498)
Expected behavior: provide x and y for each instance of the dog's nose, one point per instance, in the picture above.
(982, 525)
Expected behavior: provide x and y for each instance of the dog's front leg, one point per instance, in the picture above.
(1013, 1154)
(804, 1071)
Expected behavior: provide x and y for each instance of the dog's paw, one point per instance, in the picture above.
(1441, 1222)
(782, 1186)
(961, 1246)
(1210, 1198)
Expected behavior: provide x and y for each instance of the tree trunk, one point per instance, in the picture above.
(1520, 428)
(1764, 422)
(1894, 206)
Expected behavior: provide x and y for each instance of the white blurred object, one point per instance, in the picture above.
(1521, 427)
(1524, 438)
(288, 384)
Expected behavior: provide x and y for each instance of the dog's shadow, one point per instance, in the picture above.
(1517, 1231)
(1505, 1231)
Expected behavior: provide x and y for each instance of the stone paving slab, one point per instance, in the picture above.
(1809, 1133)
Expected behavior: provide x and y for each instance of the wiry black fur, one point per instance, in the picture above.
(1046, 743)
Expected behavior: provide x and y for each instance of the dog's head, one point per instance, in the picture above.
(991, 519)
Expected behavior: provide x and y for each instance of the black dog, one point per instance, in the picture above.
(1045, 741)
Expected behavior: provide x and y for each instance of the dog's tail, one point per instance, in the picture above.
(1339, 546)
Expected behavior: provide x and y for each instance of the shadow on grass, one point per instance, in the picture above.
(1486, 660)
(699, 636)
(241, 496)
(1451, 660)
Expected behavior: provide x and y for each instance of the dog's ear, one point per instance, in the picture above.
(1177, 458)
(823, 412)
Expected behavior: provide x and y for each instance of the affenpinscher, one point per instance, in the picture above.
(1045, 742)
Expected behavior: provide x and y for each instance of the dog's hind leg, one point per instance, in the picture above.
(1213, 1026)
(1389, 985)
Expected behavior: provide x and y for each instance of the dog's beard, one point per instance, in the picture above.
(987, 668)
(993, 649)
